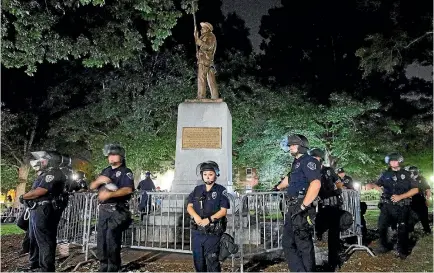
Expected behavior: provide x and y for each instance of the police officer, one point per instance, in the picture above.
(145, 186)
(23, 221)
(207, 205)
(303, 185)
(329, 209)
(398, 188)
(78, 183)
(418, 202)
(347, 181)
(44, 201)
(115, 185)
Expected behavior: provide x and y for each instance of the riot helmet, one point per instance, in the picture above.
(49, 159)
(317, 152)
(114, 149)
(208, 166)
(395, 156)
(301, 141)
(413, 170)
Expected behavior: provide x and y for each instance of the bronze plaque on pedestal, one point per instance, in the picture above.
(201, 138)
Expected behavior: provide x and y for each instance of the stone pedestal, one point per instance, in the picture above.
(204, 132)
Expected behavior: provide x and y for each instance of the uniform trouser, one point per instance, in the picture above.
(109, 239)
(391, 214)
(25, 245)
(419, 206)
(43, 224)
(204, 74)
(328, 219)
(297, 246)
(206, 249)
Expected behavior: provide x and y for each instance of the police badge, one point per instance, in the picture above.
(311, 165)
(214, 195)
(297, 165)
(394, 178)
(118, 173)
(49, 178)
(130, 176)
(402, 176)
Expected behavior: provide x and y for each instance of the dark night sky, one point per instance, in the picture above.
(251, 11)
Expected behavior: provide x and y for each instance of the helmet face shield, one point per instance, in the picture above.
(113, 149)
(394, 157)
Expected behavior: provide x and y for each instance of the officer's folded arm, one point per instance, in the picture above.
(105, 195)
(408, 194)
(193, 213)
(219, 214)
(312, 192)
(35, 193)
(284, 184)
(99, 181)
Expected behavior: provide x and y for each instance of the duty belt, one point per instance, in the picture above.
(331, 201)
(113, 206)
(401, 203)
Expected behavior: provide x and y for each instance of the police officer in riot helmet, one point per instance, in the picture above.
(115, 185)
(78, 182)
(329, 212)
(303, 185)
(46, 204)
(347, 181)
(207, 205)
(398, 188)
(418, 202)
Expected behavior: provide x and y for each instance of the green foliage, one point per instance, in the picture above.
(38, 31)
(423, 159)
(9, 229)
(9, 176)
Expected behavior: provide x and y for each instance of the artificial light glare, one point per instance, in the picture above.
(356, 186)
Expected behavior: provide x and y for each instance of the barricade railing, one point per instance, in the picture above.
(161, 222)
(261, 218)
(11, 214)
(351, 204)
(74, 220)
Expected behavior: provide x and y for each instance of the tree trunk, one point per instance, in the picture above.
(23, 174)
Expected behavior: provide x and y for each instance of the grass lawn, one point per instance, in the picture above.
(8, 229)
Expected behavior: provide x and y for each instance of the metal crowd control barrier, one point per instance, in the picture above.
(162, 223)
(11, 214)
(261, 220)
(351, 204)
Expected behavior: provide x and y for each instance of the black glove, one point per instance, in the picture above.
(303, 218)
(21, 198)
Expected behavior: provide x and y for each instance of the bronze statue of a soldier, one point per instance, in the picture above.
(205, 59)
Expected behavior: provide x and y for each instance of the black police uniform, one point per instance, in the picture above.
(395, 183)
(78, 185)
(328, 217)
(206, 241)
(44, 220)
(24, 224)
(114, 218)
(347, 181)
(146, 185)
(418, 203)
(297, 244)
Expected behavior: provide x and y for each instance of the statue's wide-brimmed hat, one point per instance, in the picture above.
(208, 25)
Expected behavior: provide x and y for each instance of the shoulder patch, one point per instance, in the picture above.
(311, 165)
(130, 176)
(225, 193)
(49, 178)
